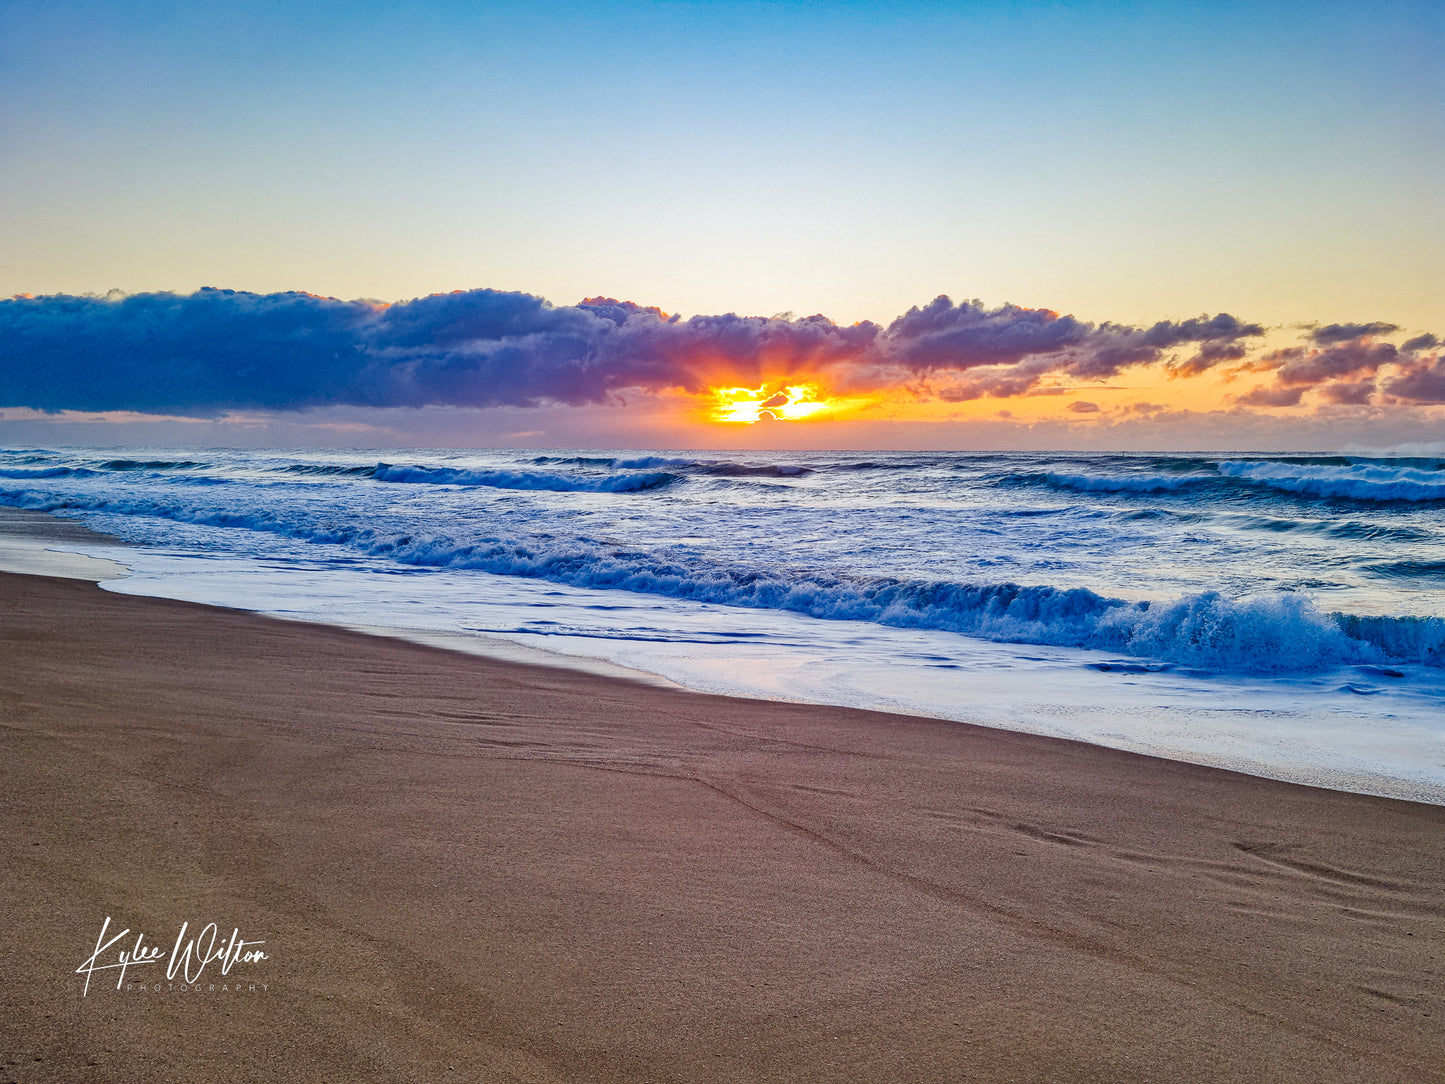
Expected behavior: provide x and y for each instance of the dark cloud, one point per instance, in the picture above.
(1003, 382)
(1349, 371)
(1337, 333)
(1080, 406)
(619, 311)
(1209, 355)
(219, 350)
(1112, 347)
(1204, 329)
(942, 335)
(1272, 397)
(702, 351)
(1345, 359)
(212, 350)
(1422, 383)
(1355, 393)
(223, 350)
(1019, 346)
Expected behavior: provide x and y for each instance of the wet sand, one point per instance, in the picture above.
(481, 870)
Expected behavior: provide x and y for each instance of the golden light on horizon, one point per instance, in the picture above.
(747, 406)
(948, 399)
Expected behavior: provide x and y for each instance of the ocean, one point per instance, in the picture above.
(1278, 614)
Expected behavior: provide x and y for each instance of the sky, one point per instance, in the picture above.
(1154, 225)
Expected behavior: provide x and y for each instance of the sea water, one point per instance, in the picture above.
(1277, 614)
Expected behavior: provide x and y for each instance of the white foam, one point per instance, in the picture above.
(1361, 482)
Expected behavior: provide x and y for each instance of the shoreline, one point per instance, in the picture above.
(24, 535)
(23, 551)
(533, 873)
(1354, 757)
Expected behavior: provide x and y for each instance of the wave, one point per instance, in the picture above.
(530, 480)
(49, 472)
(642, 473)
(1124, 483)
(88, 472)
(1407, 569)
(29, 455)
(1354, 481)
(574, 460)
(721, 467)
(648, 462)
(94, 468)
(325, 471)
(1349, 530)
(732, 470)
(150, 464)
(1280, 632)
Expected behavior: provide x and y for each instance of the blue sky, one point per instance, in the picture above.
(1124, 163)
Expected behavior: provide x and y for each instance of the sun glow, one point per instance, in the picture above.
(749, 405)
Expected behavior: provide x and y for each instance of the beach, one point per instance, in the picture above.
(722, 543)
(472, 869)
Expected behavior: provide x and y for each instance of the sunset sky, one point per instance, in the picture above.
(1019, 225)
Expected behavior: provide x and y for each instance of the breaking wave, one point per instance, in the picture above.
(1356, 481)
(1280, 632)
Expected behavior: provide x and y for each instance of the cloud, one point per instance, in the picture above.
(1422, 383)
(1350, 371)
(945, 336)
(222, 349)
(1272, 397)
(1345, 359)
(1336, 333)
(218, 351)
(1351, 394)
(212, 351)
(942, 335)
(1210, 354)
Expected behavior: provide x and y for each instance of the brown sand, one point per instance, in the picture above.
(471, 870)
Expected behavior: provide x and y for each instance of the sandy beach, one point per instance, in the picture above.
(478, 870)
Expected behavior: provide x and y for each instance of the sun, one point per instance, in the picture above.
(790, 403)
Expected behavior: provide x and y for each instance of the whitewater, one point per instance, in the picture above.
(1277, 614)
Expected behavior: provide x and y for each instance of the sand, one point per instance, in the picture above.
(466, 869)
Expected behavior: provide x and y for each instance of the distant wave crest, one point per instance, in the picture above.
(722, 467)
(532, 480)
(48, 472)
(1126, 483)
(1359, 481)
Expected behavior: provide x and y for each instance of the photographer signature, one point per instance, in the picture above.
(188, 957)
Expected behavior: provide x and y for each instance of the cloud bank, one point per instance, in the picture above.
(218, 351)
